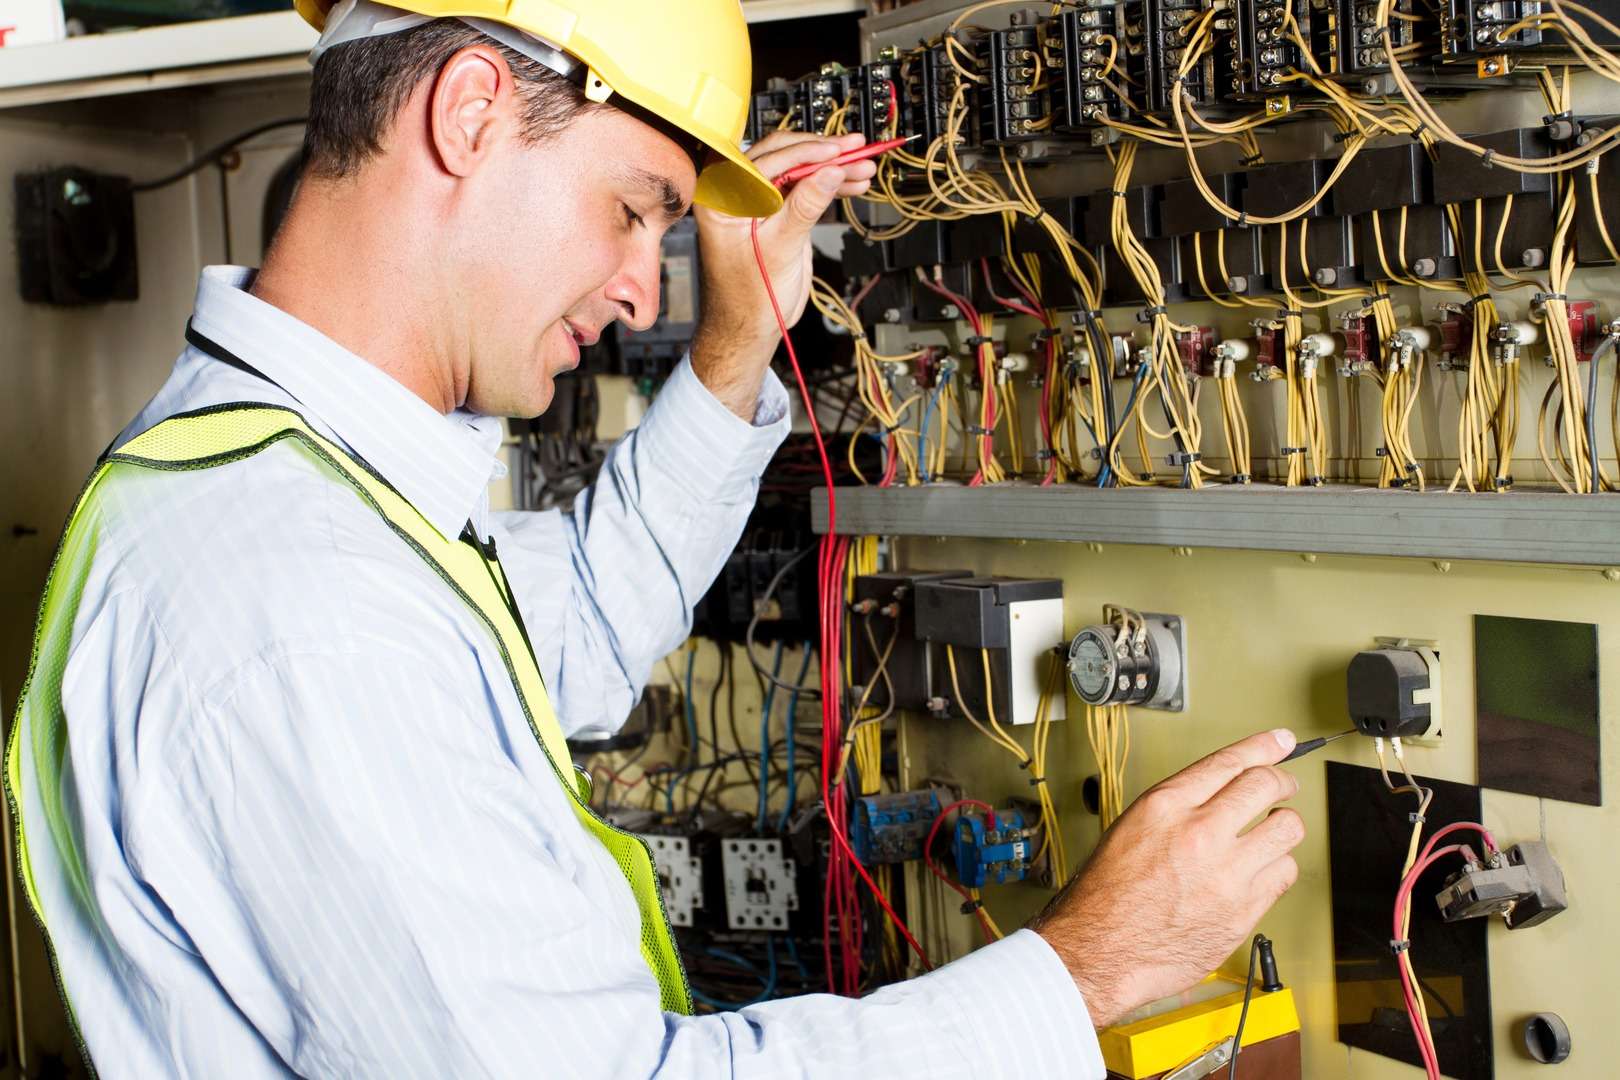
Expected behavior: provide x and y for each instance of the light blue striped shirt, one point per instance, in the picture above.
(320, 835)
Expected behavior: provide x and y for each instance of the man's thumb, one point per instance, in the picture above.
(810, 197)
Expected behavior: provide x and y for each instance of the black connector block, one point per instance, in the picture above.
(1382, 689)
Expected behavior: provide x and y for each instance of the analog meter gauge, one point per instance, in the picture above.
(1140, 659)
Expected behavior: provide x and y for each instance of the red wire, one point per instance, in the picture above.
(986, 376)
(1430, 1057)
(831, 561)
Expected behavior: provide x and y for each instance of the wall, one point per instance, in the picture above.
(1269, 637)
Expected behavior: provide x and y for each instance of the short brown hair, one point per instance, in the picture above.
(360, 87)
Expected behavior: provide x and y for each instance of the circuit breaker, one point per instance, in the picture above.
(761, 884)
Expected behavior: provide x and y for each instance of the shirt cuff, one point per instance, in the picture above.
(1049, 1031)
(704, 446)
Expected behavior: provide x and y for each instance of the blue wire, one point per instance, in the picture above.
(1136, 385)
(765, 736)
(792, 750)
(793, 951)
(769, 979)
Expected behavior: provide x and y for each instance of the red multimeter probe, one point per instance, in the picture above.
(849, 157)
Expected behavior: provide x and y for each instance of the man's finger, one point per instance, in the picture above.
(807, 152)
(779, 140)
(1280, 832)
(1249, 795)
(1198, 782)
(1271, 882)
(809, 200)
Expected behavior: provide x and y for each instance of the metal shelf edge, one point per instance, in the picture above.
(1540, 528)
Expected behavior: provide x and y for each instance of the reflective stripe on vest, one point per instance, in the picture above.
(216, 436)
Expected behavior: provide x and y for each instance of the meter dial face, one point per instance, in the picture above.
(1091, 668)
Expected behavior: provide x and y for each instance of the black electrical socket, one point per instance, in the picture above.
(75, 237)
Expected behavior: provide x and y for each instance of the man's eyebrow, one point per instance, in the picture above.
(662, 188)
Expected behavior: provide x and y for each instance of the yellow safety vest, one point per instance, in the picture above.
(201, 440)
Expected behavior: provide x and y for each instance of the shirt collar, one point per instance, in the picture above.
(442, 464)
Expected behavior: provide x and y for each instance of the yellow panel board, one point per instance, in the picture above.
(1269, 637)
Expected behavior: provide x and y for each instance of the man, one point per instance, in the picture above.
(287, 775)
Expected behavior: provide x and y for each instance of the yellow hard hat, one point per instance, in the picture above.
(687, 63)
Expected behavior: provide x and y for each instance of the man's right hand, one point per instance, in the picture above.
(1176, 886)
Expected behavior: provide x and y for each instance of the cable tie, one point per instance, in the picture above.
(1026, 763)
(1045, 455)
(1316, 481)
(1293, 449)
(1116, 193)
(1552, 118)
(1035, 219)
(1415, 818)
(1148, 314)
(977, 340)
(1341, 136)
(1503, 483)
(1399, 481)
(1036, 781)
(1284, 313)
(1486, 158)
(1543, 297)
(1240, 478)
(1423, 125)
(1243, 219)
(1414, 468)
(891, 429)
(1397, 945)
(1045, 333)
(1184, 458)
(1382, 451)
(974, 429)
(970, 906)
(1252, 160)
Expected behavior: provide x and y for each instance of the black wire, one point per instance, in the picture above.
(714, 706)
(753, 627)
(1243, 1016)
(216, 153)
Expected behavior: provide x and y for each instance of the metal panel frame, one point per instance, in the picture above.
(1524, 527)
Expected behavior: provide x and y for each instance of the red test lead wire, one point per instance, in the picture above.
(831, 561)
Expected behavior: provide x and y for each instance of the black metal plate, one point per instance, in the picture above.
(1536, 707)
(1368, 832)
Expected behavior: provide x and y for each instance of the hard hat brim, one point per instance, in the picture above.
(734, 185)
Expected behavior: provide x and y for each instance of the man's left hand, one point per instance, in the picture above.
(737, 332)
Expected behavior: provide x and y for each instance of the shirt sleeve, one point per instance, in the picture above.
(382, 891)
(608, 589)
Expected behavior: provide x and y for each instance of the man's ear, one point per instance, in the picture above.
(471, 102)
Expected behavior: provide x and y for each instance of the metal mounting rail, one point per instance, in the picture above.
(1524, 527)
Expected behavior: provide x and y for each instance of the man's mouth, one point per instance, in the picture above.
(584, 338)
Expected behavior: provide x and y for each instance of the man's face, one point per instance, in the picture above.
(564, 241)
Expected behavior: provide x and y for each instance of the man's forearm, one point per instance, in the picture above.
(730, 358)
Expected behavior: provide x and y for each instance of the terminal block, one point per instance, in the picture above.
(893, 828)
(817, 97)
(875, 100)
(1013, 103)
(769, 109)
(888, 601)
(1523, 884)
(993, 849)
(1090, 95)
(1265, 54)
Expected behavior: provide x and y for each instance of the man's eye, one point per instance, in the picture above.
(630, 216)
